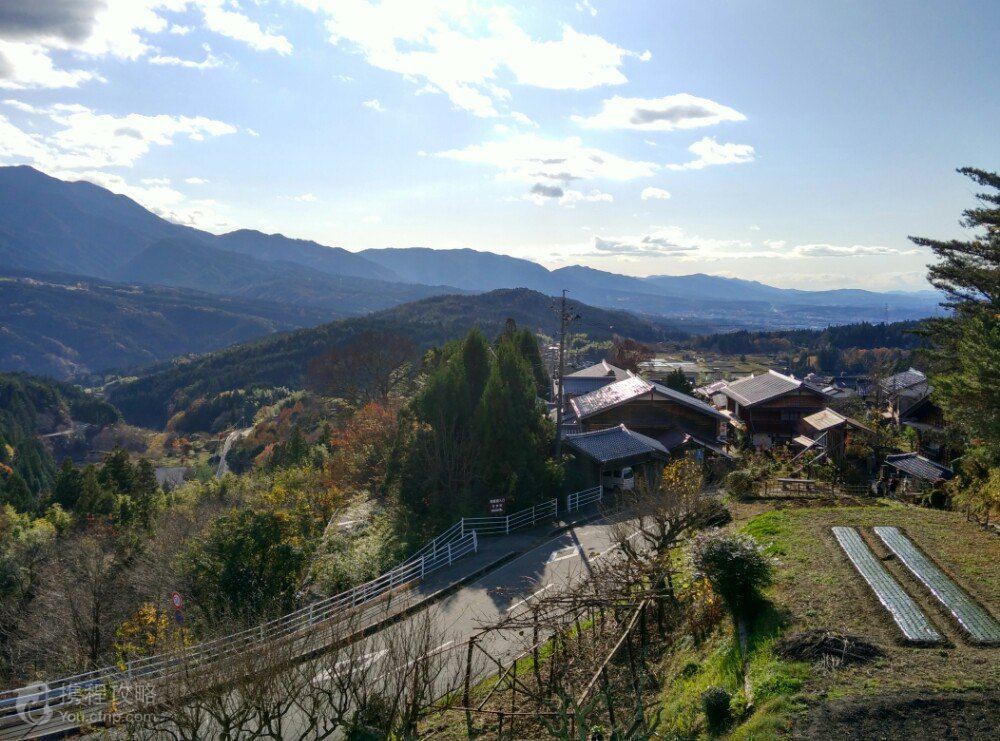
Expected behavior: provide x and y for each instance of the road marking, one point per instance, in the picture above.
(366, 661)
(530, 597)
(574, 552)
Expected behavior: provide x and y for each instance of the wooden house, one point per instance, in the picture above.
(769, 407)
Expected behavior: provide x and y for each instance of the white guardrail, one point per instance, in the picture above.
(457, 541)
(579, 499)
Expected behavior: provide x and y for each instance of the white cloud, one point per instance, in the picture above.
(854, 250)
(541, 195)
(252, 133)
(24, 65)
(305, 198)
(155, 181)
(22, 106)
(710, 152)
(209, 62)
(523, 119)
(681, 111)
(531, 158)
(666, 241)
(117, 28)
(655, 193)
(460, 47)
(235, 25)
(584, 6)
(196, 181)
(374, 105)
(84, 139)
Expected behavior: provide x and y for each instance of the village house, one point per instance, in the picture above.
(834, 434)
(769, 407)
(670, 417)
(616, 456)
(911, 475)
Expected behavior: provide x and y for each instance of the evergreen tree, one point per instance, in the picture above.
(512, 435)
(117, 472)
(677, 381)
(95, 498)
(16, 493)
(527, 345)
(68, 485)
(965, 346)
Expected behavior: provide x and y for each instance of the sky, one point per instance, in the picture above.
(795, 142)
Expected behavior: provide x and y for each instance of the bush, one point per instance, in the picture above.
(740, 484)
(736, 567)
(715, 702)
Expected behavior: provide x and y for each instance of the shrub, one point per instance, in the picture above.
(715, 702)
(736, 567)
(740, 484)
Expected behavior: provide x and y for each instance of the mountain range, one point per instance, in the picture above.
(53, 230)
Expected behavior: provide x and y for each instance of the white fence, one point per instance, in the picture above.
(459, 540)
(579, 499)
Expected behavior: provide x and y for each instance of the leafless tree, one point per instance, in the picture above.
(371, 366)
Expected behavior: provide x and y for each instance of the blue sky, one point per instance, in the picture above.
(797, 143)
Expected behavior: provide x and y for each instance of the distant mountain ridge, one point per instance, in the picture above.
(66, 325)
(51, 225)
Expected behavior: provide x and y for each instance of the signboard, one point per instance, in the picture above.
(498, 506)
(177, 600)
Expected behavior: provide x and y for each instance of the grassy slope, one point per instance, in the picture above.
(816, 587)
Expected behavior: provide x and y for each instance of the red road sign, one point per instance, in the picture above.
(177, 600)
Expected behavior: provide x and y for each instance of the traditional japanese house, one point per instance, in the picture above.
(651, 409)
(769, 407)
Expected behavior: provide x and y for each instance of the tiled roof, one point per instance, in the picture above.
(905, 380)
(689, 401)
(919, 467)
(614, 444)
(610, 396)
(622, 391)
(604, 369)
(578, 385)
(755, 389)
(826, 419)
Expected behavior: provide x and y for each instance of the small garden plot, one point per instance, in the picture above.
(908, 616)
(976, 621)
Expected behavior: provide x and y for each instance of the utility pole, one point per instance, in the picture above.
(564, 320)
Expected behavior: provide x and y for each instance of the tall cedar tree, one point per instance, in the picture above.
(965, 346)
(512, 434)
(478, 433)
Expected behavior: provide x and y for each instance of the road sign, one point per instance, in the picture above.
(177, 600)
(497, 506)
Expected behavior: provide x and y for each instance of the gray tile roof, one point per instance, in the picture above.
(610, 396)
(614, 444)
(604, 369)
(688, 401)
(579, 385)
(905, 380)
(919, 467)
(755, 389)
(622, 391)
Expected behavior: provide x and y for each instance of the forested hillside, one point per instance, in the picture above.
(30, 407)
(283, 360)
(58, 325)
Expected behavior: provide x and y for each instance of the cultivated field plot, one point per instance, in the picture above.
(911, 620)
(976, 621)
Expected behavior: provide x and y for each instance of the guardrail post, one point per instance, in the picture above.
(423, 560)
(508, 524)
(449, 554)
(311, 606)
(475, 541)
(461, 528)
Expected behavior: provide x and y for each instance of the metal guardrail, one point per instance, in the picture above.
(579, 499)
(457, 541)
(67, 689)
(976, 621)
(908, 616)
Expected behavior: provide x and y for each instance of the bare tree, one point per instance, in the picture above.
(370, 366)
